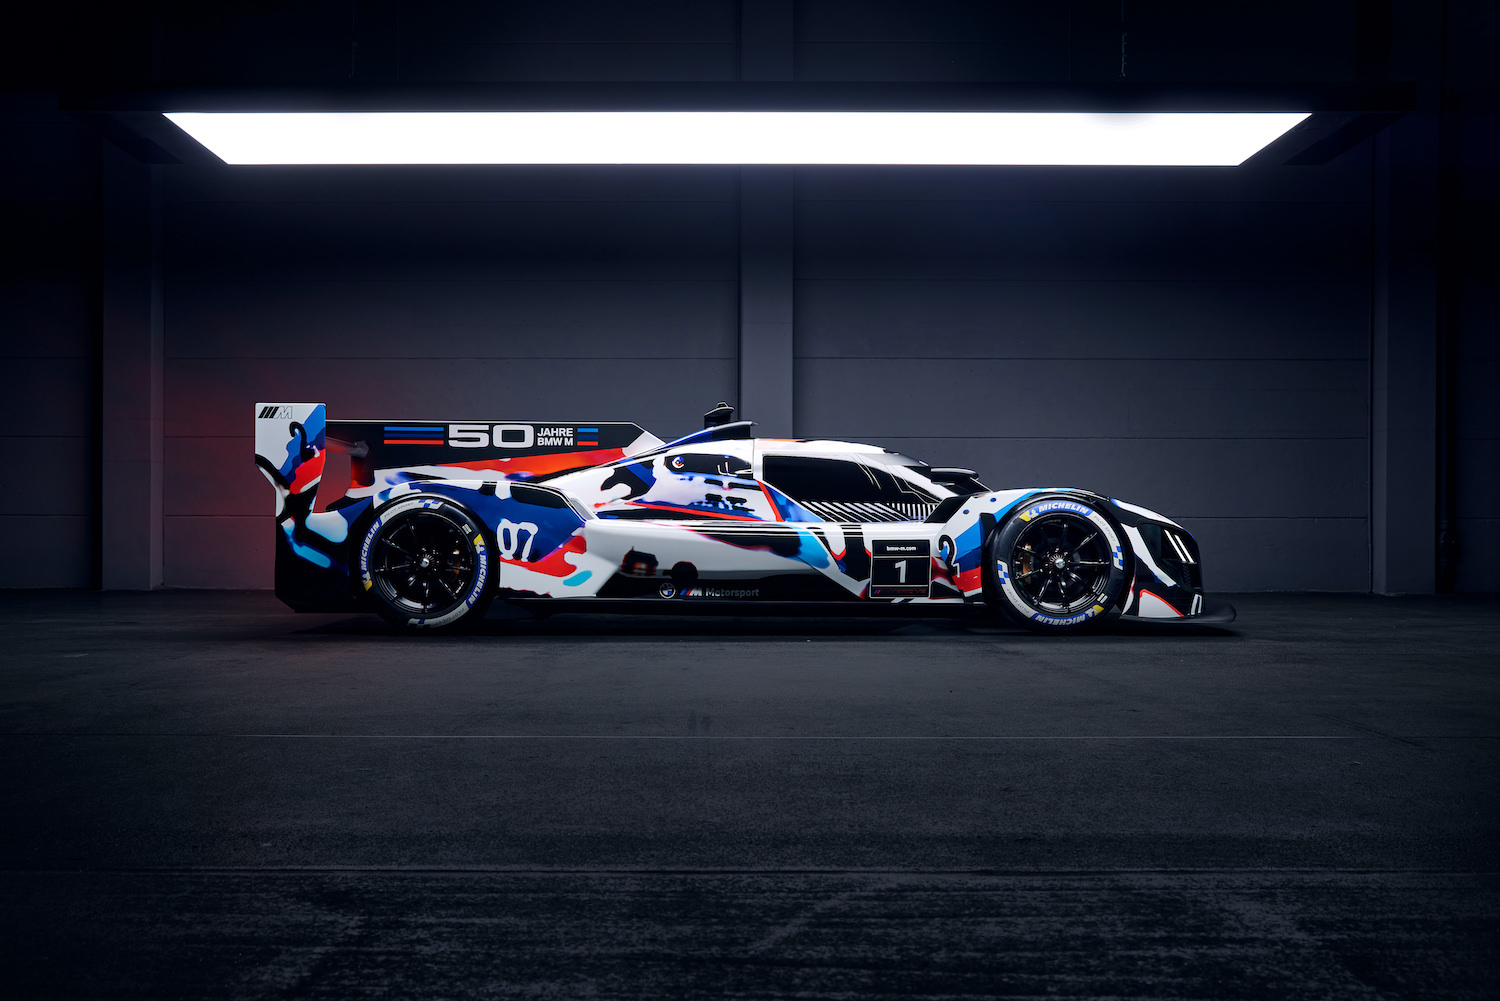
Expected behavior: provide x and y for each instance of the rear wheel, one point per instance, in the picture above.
(424, 563)
(1057, 565)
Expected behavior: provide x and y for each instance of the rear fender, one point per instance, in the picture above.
(535, 536)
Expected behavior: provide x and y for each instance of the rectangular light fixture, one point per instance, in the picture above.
(1174, 139)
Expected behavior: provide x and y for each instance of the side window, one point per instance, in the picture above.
(703, 462)
(806, 478)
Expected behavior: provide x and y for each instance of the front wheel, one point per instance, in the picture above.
(1057, 565)
(425, 565)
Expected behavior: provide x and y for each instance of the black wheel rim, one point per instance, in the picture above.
(1061, 564)
(424, 563)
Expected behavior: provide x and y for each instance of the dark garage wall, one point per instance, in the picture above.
(447, 41)
(1019, 41)
(1476, 370)
(1193, 340)
(535, 294)
(427, 294)
(1196, 341)
(49, 278)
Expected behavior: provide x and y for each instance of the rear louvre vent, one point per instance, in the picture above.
(870, 513)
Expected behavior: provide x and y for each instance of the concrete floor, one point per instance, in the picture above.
(206, 796)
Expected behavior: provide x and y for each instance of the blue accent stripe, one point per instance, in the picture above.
(404, 427)
(306, 552)
(588, 430)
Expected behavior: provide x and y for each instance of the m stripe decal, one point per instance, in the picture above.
(412, 434)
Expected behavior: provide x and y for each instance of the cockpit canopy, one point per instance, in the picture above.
(842, 489)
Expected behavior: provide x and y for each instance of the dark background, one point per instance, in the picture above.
(208, 796)
(1296, 362)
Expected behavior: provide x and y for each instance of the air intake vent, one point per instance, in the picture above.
(1179, 558)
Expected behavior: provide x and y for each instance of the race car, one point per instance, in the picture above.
(439, 518)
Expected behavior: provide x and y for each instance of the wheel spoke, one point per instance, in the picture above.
(1074, 551)
(391, 542)
(1061, 564)
(430, 563)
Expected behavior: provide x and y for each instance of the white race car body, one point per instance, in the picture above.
(609, 512)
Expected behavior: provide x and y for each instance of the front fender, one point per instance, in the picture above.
(1163, 556)
(1168, 579)
(970, 526)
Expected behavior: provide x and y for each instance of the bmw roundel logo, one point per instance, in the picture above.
(667, 591)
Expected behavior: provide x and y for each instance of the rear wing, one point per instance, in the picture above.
(292, 440)
(489, 449)
(290, 448)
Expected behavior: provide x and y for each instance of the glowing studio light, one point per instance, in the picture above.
(736, 137)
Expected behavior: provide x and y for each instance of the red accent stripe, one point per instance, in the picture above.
(555, 564)
(1159, 598)
(304, 475)
(776, 510)
(546, 462)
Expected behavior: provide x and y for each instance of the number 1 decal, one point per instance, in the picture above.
(900, 568)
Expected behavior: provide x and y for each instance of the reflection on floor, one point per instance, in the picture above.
(208, 796)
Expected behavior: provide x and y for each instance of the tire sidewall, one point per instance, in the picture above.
(999, 582)
(477, 594)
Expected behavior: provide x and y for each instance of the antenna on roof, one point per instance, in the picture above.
(722, 414)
